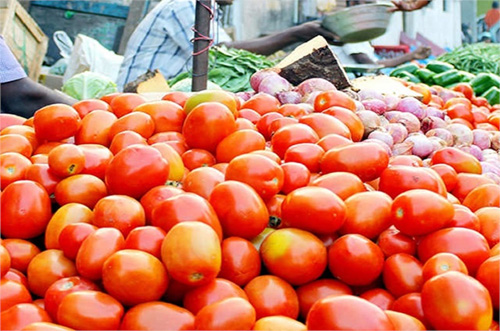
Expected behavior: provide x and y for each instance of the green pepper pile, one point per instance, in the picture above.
(475, 58)
(231, 68)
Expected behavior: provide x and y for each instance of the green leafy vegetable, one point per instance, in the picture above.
(88, 85)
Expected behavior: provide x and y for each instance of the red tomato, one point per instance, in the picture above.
(346, 312)
(306, 153)
(489, 219)
(295, 175)
(119, 211)
(84, 189)
(333, 140)
(329, 99)
(290, 135)
(97, 158)
(447, 174)
(215, 291)
(124, 103)
(138, 122)
(343, 184)
(402, 274)
(487, 195)
(263, 124)
(72, 237)
(185, 207)
(56, 122)
(91, 310)
(147, 239)
(262, 103)
(202, 181)
(62, 287)
(109, 97)
(457, 159)
(278, 323)
(195, 158)
(216, 96)
(441, 263)
(355, 260)
(320, 204)
(314, 291)
(228, 314)
(135, 170)
(379, 297)
(271, 295)
(392, 241)
(157, 316)
(13, 293)
(467, 182)
(96, 249)
(238, 143)
(156, 195)
(324, 124)
(216, 122)
(5, 260)
(240, 209)
(133, 277)
(402, 321)
(456, 301)
(84, 107)
(350, 119)
(176, 97)
(15, 143)
(464, 88)
(25, 131)
(191, 252)
(411, 304)
(7, 120)
(66, 160)
(21, 315)
(25, 210)
(366, 160)
(488, 275)
(67, 214)
(20, 253)
(295, 255)
(95, 128)
(125, 139)
(249, 114)
(460, 110)
(166, 115)
(470, 246)
(240, 261)
(45, 326)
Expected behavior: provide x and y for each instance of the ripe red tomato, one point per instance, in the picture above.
(67, 214)
(344, 313)
(366, 160)
(156, 195)
(177, 97)
(240, 209)
(319, 289)
(489, 219)
(191, 252)
(350, 119)
(402, 274)
(185, 207)
(46, 268)
(487, 195)
(392, 241)
(20, 253)
(379, 297)
(40, 173)
(295, 175)
(464, 88)
(133, 277)
(21, 315)
(92, 310)
(279, 323)
(7, 120)
(262, 103)
(95, 128)
(456, 301)
(66, 160)
(238, 143)
(84, 107)
(324, 124)
(402, 321)
(13, 167)
(447, 174)
(441, 263)
(119, 211)
(228, 314)
(138, 122)
(124, 103)
(84, 189)
(97, 158)
(488, 274)
(295, 255)
(15, 143)
(25, 210)
(333, 98)
(240, 261)
(135, 170)
(166, 115)
(469, 245)
(215, 291)
(318, 203)
(109, 97)
(216, 122)
(56, 122)
(411, 304)
(45, 326)
(72, 237)
(343, 184)
(5, 260)
(147, 239)
(355, 260)
(306, 153)
(125, 139)
(195, 158)
(13, 293)
(96, 249)
(290, 135)
(333, 140)
(467, 182)
(271, 295)
(457, 159)
(156, 316)
(62, 287)
(202, 181)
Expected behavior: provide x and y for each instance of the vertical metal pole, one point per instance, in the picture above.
(200, 59)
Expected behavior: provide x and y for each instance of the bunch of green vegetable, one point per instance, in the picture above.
(475, 58)
(230, 68)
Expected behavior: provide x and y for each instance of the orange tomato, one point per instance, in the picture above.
(67, 214)
(240, 261)
(487, 195)
(262, 103)
(238, 143)
(21, 315)
(276, 323)
(13, 167)
(228, 314)
(166, 115)
(84, 189)
(119, 211)
(123, 103)
(13, 293)
(290, 135)
(457, 159)
(202, 181)
(156, 316)
(139, 122)
(95, 128)
(327, 99)
(349, 118)
(489, 219)
(84, 107)
(20, 252)
(66, 160)
(402, 321)
(343, 184)
(441, 263)
(324, 124)
(125, 139)
(314, 291)
(15, 143)
(25, 131)
(56, 122)
(467, 182)
(333, 140)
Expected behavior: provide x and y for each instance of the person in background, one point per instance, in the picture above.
(409, 5)
(492, 16)
(19, 94)
(162, 40)
(485, 37)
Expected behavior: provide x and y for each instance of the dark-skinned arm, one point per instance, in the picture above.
(24, 96)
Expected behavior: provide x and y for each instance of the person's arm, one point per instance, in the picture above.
(24, 96)
(409, 5)
(422, 52)
(269, 44)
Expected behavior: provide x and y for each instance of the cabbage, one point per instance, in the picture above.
(88, 85)
(184, 85)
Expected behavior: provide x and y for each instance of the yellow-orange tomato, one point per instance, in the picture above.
(67, 214)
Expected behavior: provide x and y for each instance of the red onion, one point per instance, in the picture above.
(310, 98)
(359, 105)
(437, 143)
(422, 146)
(381, 143)
(258, 76)
(446, 94)
(472, 150)
(370, 94)
(314, 84)
(410, 121)
(289, 97)
(441, 133)
(398, 132)
(433, 111)
(412, 106)
(494, 177)
(432, 122)
(482, 138)
(375, 105)
(490, 154)
(462, 135)
(433, 90)
(404, 148)
(384, 122)
(273, 84)
(382, 135)
(391, 101)
(245, 95)
(495, 141)
(488, 167)
(370, 121)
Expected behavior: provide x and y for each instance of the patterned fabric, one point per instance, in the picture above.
(163, 41)
(10, 69)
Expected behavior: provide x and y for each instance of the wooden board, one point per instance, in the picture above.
(385, 85)
(24, 37)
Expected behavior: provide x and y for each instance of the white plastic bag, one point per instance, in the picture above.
(89, 55)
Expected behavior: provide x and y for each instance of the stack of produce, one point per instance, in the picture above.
(216, 211)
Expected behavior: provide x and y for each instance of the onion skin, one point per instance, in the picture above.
(432, 122)
(314, 84)
(432, 111)
(410, 121)
(462, 135)
(404, 148)
(495, 141)
(382, 135)
(391, 101)
(258, 76)
(370, 121)
(412, 106)
(370, 94)
(289, 97)
(482, 138)
(375, 105)
(273, 84)
(422, 146)
(398, 132)
(245, 96)
(444, 134)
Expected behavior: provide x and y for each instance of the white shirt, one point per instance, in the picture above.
(344, 52)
